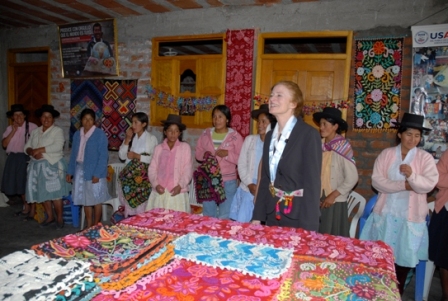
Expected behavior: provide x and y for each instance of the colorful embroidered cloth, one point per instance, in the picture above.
(378, 67)
(375, 254)
(311, 278)
(259, 260)
(26, 276)
(239, 69)
(341, 146)
(135, 182)
(208, 181)
(115, 250)
(85, 94)
(81, 291)
(185, 280)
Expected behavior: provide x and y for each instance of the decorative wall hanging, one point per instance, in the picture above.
(114, 102)
(89, 49)
(239, 69)
(186, 106)
(378, 69)
(429, 92)
(85, 94)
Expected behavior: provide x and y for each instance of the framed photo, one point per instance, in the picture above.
(89, 49)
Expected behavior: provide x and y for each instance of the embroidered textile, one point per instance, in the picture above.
(135, 182)
(208, 181)
(259, 260)
(114, 102)
(115, 250)
(239, 69)
(80, 291)
(341, 146)
(378, 67)
(26, 276)
(310, 278)
(85, 94)
(185, 280)
(373, 253)
(119, 102)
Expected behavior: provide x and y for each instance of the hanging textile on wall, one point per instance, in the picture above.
(118, 106)
(85, 94)
(113, 101)
(378, 72)
(239, 68)
(429, 92)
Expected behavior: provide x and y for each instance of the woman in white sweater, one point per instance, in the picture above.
(138, 146)
(250, 156)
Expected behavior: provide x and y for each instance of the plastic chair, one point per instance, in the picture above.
(194, 205)
(114, 202)
(353, 200)
(424, 269)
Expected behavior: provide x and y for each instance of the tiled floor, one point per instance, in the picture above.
(17, 234)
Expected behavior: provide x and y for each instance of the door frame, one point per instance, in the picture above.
(12, 63)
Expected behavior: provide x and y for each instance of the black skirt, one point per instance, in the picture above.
(14, 174)
(438, 238)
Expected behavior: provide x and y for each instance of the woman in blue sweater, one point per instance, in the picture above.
(88, 168)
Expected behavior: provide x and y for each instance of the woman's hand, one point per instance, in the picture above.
(36, 153)
(328, 202)
(176, 190)
(408, 186)
(252, 188)
(95, 180)
(406, 170)
(133, 155)
(129, 134)
(160, 189)
(222, 153)
(68, 178)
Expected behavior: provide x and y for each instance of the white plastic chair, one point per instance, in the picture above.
(355, 200)
(192, 195)
(114, 202)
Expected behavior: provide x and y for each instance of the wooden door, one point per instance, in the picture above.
(321, 80)
(31, 88)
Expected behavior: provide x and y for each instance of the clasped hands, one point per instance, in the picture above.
(175, 191)
(36, 153)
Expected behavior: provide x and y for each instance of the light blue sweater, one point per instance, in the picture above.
(95, 155)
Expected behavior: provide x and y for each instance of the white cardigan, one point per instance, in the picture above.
(150, 144)
(246, 164)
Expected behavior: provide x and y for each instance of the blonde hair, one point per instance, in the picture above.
(296, 93)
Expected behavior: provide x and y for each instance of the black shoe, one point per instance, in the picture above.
(60, 225)
(46, 224)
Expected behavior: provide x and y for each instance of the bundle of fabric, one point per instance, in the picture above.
(119, 253)
(26, 276)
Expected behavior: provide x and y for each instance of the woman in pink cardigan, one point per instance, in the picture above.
(225, 144)
(438, 227)
(171, 169)
(403, 175)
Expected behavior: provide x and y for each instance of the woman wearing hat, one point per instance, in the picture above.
(87, 168)
(137, 149)
(46, 171)
(339, 174)
(171, 168)
(248, 162)
(403, 175)
(14, 139)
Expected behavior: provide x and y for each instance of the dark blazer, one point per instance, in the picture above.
(299, 168)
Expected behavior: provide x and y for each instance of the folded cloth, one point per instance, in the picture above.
(26, 276)
(252, 259)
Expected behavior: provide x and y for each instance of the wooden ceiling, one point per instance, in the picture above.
(33, 13)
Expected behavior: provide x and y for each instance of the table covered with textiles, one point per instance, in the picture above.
(170, 255)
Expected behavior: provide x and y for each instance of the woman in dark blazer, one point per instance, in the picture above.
(289, 189)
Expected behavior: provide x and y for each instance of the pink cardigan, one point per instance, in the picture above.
(422, 180)
(183, 166)
(233, 143)
(442, 195)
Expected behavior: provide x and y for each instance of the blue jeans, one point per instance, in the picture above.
(222, 210)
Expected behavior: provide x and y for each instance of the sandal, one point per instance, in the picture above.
(46, 224)
(21, 213)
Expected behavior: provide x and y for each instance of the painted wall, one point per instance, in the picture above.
(368, 18)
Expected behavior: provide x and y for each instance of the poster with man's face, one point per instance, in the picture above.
(89, 49)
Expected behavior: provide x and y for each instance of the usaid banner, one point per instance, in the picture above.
(430, 35)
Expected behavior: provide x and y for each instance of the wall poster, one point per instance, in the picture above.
(429, 95)
(89, 49)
